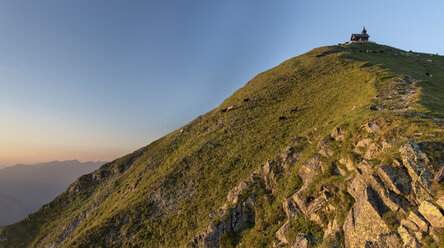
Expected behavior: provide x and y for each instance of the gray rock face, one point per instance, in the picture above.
(385, 240)
(419, 221)
(432, 214)
(398, 181)
(364, 221)
(311, 168)
(419, 169)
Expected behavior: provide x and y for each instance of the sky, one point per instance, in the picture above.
(97, 79)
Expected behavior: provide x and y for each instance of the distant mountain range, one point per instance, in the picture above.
(25, 188)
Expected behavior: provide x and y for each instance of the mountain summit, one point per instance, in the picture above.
(341, 146)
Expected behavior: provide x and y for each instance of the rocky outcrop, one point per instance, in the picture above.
(302, 241)
(432, 214)
(371, 127)
(365, 177)
(234, 219)
(395, 180)
(310, 169)
(364, 221)
(231, 219)
(338, 134)
(419, 168)
(324, 149)
(419, 221)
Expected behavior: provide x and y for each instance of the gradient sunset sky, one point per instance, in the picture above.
(97, 79)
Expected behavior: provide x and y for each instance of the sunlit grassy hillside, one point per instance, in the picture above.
(162, 194)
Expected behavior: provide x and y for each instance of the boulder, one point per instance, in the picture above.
(385, 240)
(332, 228)
(310, 169)
(323, 149)
(419, 220)
(233, 195)
(366, 177)
(432, 214)
(372, 151)
(410, 225)
(361, 145)
(407, 238)
(281, 235)
(364, 221)
(371, 127)
(291, 209)
(348, 163)
(396, 180)
(338, 134)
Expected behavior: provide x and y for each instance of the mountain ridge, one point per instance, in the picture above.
(208, 184)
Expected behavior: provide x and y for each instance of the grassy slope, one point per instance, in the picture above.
(217, 150)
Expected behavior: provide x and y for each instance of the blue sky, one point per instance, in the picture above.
(96, 79)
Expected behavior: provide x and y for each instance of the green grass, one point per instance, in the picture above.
(135, 196)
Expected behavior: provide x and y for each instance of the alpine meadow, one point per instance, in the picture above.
(339, 147)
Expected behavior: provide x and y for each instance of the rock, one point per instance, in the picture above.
(364, 221)
(437, 234)
(340, 170)
(417, 218)
(409, 224)
(282, 233)
(348, 163)
(296, 197)
(364, 142)
(332, 228)
(338, 134)
(310, 169)
(233, 195)
(372, 151)
(268, 174)
(361, 145)
(325, 152)
(302, 241)
(323, 149)
(397, 181)
(250, 202)
(287, 153)
(419, 169)
(440, 201)
(366, 177)
(432, 214)
(371, 127)
(232, 220)
(291, 209)
(385, 240)
(407, 238)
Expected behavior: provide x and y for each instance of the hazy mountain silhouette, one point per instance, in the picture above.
(25, 188)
